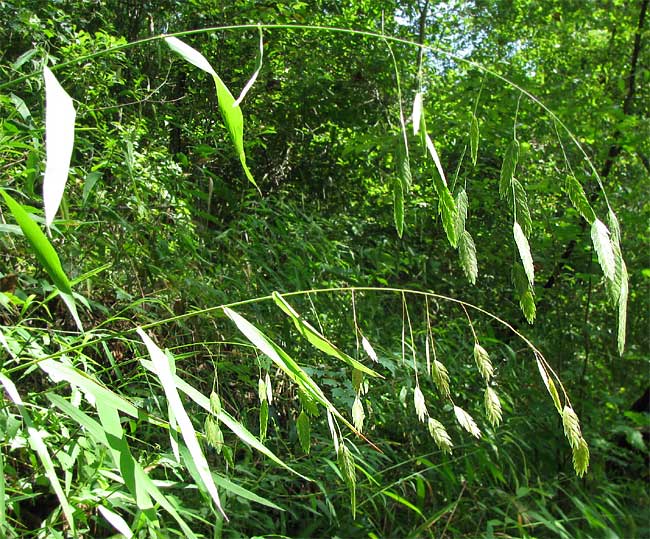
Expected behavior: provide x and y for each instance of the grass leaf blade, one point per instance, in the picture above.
(163, 370)
(45, 254)
(59, 142)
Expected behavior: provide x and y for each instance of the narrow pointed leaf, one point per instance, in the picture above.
(436, 158)
(45, 254)
(258, 68)
(622, 309)
(317, 339)
(524, 253)
(230, 111)
(35, 437)
(140, 477)
(116, 521)
(161, 366)
(59, 142)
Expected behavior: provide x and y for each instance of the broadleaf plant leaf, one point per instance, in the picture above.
(59, 142)
(230, 110)
(45, 254)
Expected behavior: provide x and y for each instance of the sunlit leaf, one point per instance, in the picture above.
(230, 111)
(116, 521)
(603, 247)
(161, 366)
(45, 254)
(258, 68)
(59, 142)
(417, 112)
(35, 438)
(317, 339)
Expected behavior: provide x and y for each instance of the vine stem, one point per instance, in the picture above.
(334, 29)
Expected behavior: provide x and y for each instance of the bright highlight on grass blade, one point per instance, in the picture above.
(59, 141)
(164, 372)
(230, 111)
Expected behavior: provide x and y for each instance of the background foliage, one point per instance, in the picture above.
(160, 227)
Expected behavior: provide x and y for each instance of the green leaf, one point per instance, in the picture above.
(436, 159)
(116, 521)
(235, 426)
(45, 254)
(508, 168)
(603, 247)
(622, 309)
(524, 252)
(317, 339)
(473, 139)
(264, 419)
(92, 389)
(166, 377)
(398, 207)
(467, 252)
(230, 110)
(520, 206)
(59, 142)
(578, 198)
(303, 427)
(35, 437)
(258, 68)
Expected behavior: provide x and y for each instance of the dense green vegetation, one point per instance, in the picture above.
(396, 287)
